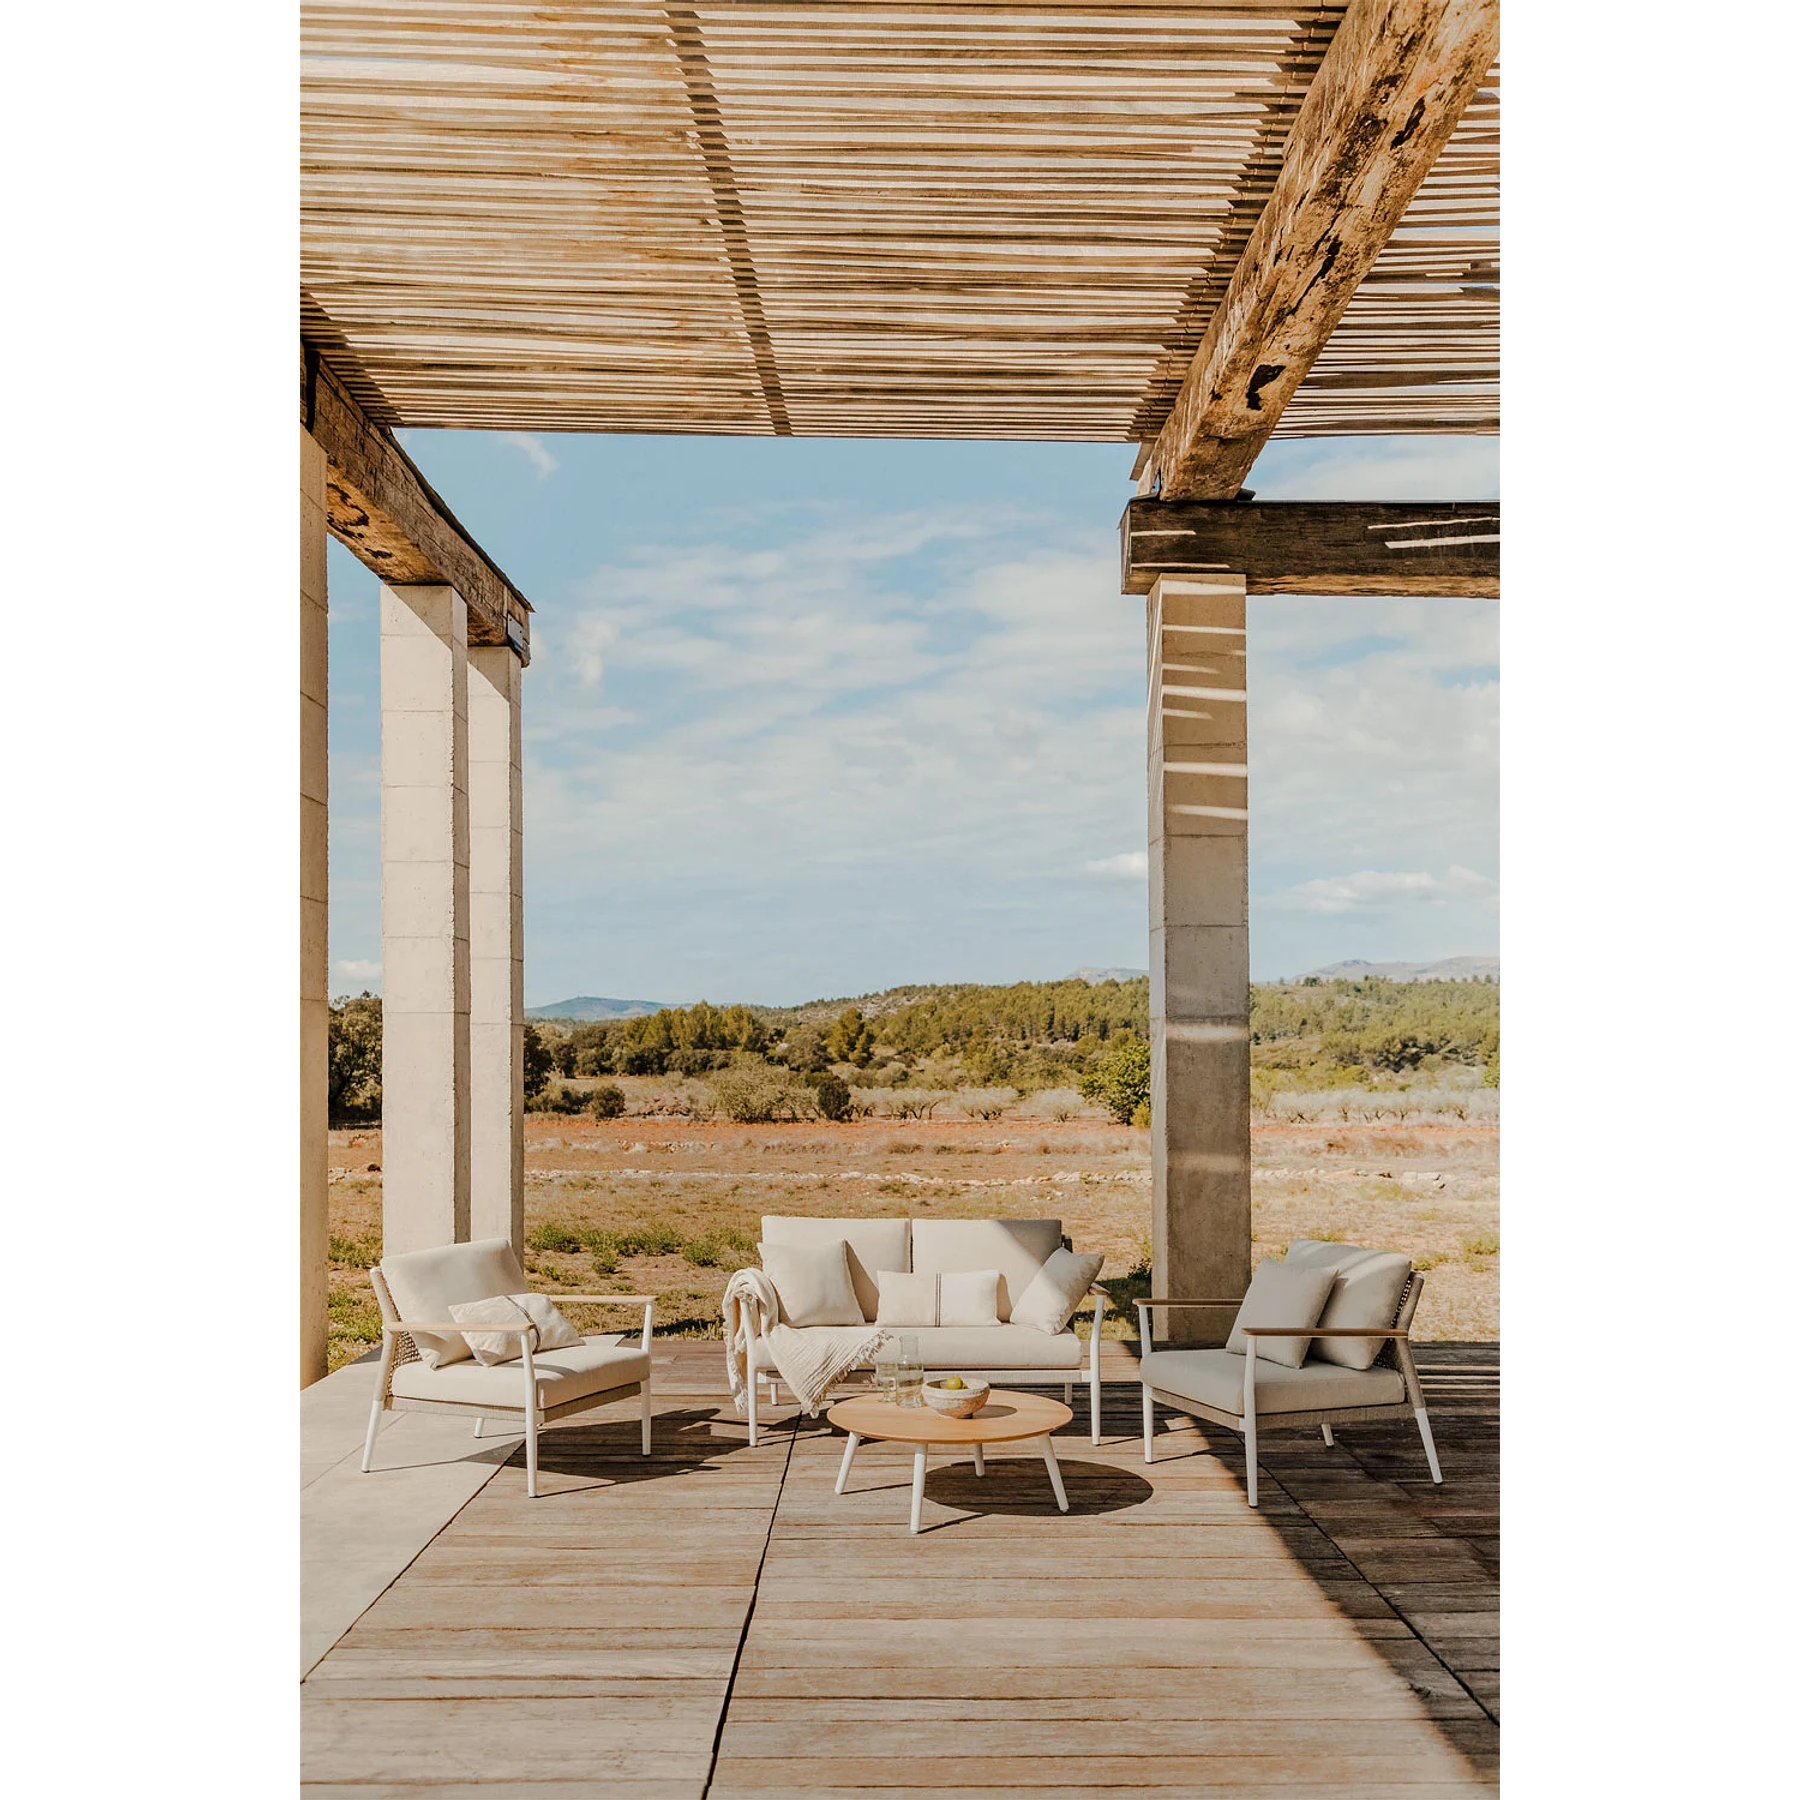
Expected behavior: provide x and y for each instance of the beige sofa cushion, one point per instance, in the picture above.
(906, 1300)
(968, 1300)
(554, 1332)
(874, 1244)
(1280, 1295)
(1018, 1248)
(1215, 1378)
(427, 1283)
(957, 1351)
(1056, 1291)
(1365, 1293)
(812, 1282)
(594, 1366)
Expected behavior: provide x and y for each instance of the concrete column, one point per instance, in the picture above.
(424, 917)
(1199, 947)
(315, 969)
(496, 949)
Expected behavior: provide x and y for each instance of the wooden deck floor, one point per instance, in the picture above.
(716, 1622)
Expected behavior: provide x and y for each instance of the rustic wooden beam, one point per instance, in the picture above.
(1384, 102)
(388, 516)
(1432, 547)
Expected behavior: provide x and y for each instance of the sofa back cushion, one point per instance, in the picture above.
(1018, 1248)
(812, 1282)
(1366, 1293)
(874, 1244)
(427, 1283)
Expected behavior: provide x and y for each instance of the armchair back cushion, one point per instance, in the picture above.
(427, 1283)
(1018, 1248)
(554, 1332)
(1280, 1295)
(1365, 1293)
(874, 1244)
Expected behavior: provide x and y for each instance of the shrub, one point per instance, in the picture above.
(553, 1236)
(540, 1061)
(1140, 1116)
(607, 1101)
(833, 1098)
(555, 1097)
(986, 1103)
(354, 1053)
(1059, 1103)
(911, 1103)
(1487, 1244)
(756, 1093)
(655, 1239)
(721, 1249)
(1120, 1080)
(356, 1253)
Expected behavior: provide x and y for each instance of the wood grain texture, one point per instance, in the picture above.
(1159, 1638)
(1427, 547)
(1385, 101)
(976, 219)
(1008, 1416)
(389, 517)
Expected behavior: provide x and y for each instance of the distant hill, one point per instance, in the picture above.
(1093, 977)
(1449, 968)
(587, 1007)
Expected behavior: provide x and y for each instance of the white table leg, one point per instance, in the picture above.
(849, 1457)
(918, 1493)
(1056, 1481)
(980, 1464)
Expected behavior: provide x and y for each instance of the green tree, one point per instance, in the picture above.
(607, 1101)
(540, 1061)
(354, 1078)
(834, 1099)
(1120, 1079)
(850, 1039)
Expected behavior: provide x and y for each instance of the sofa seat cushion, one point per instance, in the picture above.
(427, 1283)
(958, 1349)
(873, 1244)
(590, 1367)
(1215, 1378)
(1018, 1248)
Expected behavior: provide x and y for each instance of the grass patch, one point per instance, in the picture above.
(356, 1253)
(1487, 1244)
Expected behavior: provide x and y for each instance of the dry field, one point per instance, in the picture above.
(671, 1205)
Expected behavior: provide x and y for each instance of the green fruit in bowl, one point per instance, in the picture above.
(952, 1382)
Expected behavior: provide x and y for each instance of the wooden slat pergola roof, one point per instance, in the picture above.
(1013, 219)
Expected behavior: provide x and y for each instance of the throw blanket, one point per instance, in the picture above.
(809, 1360)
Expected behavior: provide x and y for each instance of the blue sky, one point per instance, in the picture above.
(817, 717)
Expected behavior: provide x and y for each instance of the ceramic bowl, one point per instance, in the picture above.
(957, 1403)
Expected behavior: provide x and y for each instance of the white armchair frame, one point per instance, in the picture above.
(1399, 1354)
(399, 1346)
(1090, 1373)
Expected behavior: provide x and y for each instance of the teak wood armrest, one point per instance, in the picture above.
(1164, 1300)
(601, 1299)
(1347, 1331)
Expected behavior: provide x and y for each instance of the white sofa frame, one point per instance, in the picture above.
(1090, 1372)
(1397, 1352)
(398, 1347)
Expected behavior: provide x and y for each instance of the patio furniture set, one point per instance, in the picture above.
(1321, 1338)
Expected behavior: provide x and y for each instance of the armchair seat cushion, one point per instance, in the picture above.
(1215, 1378)
(590, 1367)
(962, 1347)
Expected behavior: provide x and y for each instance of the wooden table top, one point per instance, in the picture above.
(1006, 1416)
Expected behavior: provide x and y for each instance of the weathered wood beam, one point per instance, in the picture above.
(1383, 104)
(1432, 547)
(387, 515)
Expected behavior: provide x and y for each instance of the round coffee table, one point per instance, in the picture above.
(1008, 1418)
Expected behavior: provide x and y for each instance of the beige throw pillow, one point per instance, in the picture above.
(906, 1301)
(970, 1297)
(1280, 1295)
(554, 1332)
(1365, 1293)
(812, 1281)
(1056, 1291)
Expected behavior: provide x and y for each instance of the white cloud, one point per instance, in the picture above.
(358, 968)
(1368, 890)
(535, 451)
(1131, 864)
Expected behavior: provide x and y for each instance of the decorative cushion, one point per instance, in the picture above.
(1056, 1291)
(968, 1298)
(874, 1244)
(1018, 1248)
(425, 1284)
(954, 1350)
(812, 1281)
(1281, 1296)
(1216, 1378)
(594, 1366)
(906, 1300)
(1365, 1293)
(554, 1332)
